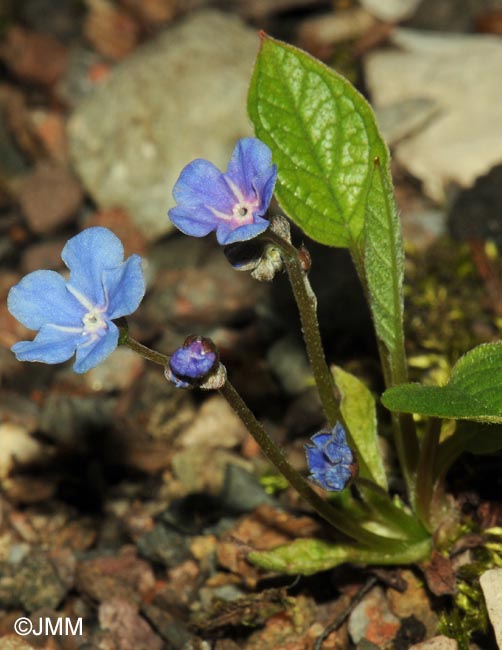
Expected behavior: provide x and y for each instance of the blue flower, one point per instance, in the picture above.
(76, 315)
(232, 203)
(191, 363)
(330, 459)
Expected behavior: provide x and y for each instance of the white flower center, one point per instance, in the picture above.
(94, 323)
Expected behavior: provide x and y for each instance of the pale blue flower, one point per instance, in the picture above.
(232, 203)
(76, 315)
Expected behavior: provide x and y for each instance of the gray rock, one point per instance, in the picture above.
(436, 643)
(164, 546)
(180, 97)
(463, 140)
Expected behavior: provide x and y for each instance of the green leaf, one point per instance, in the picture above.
(474, 391)
(308, 556)
(358, 410)
(384, 268)
(323, 137)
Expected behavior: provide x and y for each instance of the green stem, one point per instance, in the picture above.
(142, 350)
(427, 470)
(307, 306)
(338, 520)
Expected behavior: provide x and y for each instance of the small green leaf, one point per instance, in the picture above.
(323, 137)
(358, 409)
(308, 556)
(384, 267)
(474, 391)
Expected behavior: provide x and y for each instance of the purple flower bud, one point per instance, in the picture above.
(233, 203)
(330, 459)
(190, 364)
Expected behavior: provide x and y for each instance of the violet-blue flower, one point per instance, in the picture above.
(191, 363)
(75, 315)
(232, 203)
(330, 459)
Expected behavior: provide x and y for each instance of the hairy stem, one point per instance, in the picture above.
(338, 520)
(142, 350)
(307, 306)
(427, 470)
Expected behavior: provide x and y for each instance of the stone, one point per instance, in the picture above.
(43, 255)
(49, 198)
(462, 141)
(33, 57)
(179, 97)
(216, 425)
(116, 373)
(391, 10)
(128, 629)
(491, 585)
(164, 546)
(18, 447)
(414, 601)
(372, 619)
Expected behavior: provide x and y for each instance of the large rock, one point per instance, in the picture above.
(463, 139)
(180, 97)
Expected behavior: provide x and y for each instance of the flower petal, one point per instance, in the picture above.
(315, 458)
(197, 222)
(91, 354)
(227, 233)
(251, 169)
(321, 438)
(264, 186)
(87, 255)
(202, 184)
(336, 478)
(41, 298)
(51, 345)
(125, 287)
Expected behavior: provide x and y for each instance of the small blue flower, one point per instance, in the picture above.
(330, 459)
(232, 203)
(76, 315)
(191, 363)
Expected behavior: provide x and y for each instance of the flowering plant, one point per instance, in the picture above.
(331, 176)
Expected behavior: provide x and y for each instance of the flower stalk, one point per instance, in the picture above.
(307, 306)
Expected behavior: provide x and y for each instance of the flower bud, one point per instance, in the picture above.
(192, 363)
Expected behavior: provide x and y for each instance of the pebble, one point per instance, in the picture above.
(18, 448)
(179, 97)
(32, 56)
(49, 198)
(391, 10)
(164, 546)
(121, 576)
(216, 425)
(38, 583)
(116, 373)
(43, 255)
(127, 628)
(491, 585)
(372, 619)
